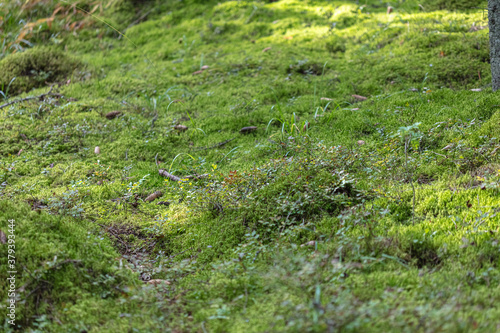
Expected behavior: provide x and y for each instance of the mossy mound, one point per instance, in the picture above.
(60, 265)
(21, 72)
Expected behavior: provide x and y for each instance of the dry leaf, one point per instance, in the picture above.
(310, 243)
(326, 99)
(249, 129)
(19, 153)
(197, 72)
(154, 196)
(389, 9)
(359, 98)
(204, 67)
(97, 150)
(288, 37)
(361, 142)
(266, 49)
(113, 114)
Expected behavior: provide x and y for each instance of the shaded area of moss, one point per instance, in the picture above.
(34, 68)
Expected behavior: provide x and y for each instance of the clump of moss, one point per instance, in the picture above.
(490, 127)
(21, 72)
(60, 264)
(336, 45)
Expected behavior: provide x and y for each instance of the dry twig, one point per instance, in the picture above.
(50, 93)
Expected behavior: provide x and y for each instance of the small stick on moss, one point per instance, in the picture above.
(220, 144)
(30, 98)
(168, 175)
(249, 129)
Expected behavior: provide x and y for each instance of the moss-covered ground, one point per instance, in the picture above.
(366, 200)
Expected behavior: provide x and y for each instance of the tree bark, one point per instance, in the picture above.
(494, 24)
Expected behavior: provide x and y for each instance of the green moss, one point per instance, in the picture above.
(59, 264)
(276, 239)
(490, 129)
(34, 68)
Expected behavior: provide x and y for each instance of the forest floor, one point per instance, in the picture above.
(362, 195)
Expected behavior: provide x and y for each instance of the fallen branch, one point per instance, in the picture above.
(30, 98)
(168, 175)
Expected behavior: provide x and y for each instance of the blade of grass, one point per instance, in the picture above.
(178, 155)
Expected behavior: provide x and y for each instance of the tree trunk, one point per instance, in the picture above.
(494, 23)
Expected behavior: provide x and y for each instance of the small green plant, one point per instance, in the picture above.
(132, 187)
(288, 127)
(69, 204)
(409, 136)
(293, 188)
(4, 91)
